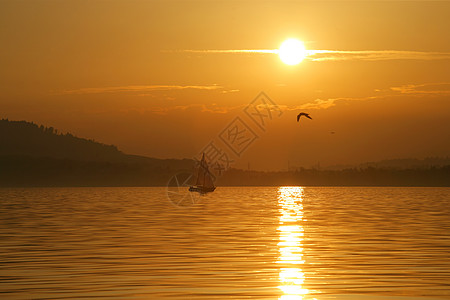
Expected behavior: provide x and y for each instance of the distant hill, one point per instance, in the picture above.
(398, 164)
(409, 163)
(433, 177)
(22, 138)
(34, 155)
(29, 139)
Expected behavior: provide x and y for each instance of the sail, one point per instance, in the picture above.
(201, 172)
(204, 178)
(208, 182)
(204, 182)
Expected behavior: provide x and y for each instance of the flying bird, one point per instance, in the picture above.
(303, 114)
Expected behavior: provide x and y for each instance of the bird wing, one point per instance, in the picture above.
(306, 115)
(298, 117)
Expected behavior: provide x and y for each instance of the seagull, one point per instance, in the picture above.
(303, 114)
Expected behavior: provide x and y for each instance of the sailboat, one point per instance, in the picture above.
(204, 182)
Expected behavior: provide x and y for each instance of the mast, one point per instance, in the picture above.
(208, 179)
(203, 166)
(204, 172)
(204, 182)
(201, 173)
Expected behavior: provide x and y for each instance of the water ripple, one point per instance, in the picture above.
(236, 243)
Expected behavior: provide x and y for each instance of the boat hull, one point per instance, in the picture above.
(201, 189)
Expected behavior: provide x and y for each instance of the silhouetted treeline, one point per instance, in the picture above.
(26, 171)
(22, 171)
(32, 155)
(399, 163)
(27, 138)
(409, 163)
(434, 176)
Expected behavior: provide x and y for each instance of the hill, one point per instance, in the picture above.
(34, 155)
(398, 164)
(22, 138)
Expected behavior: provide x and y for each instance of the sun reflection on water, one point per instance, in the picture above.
(291, 241)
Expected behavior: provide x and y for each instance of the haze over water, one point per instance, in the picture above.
(236, 243)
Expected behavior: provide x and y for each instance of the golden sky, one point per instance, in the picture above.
(165, 78)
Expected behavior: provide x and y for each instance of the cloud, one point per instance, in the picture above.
(213, 108)
(235, 51)
(369, 55)
(230, 91)
(400, 91)
(137, 89)
(442, 88)
(326, 103)
(337, 55)
(317, 104)
(425, 89)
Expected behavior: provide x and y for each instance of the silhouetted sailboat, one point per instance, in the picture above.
(204, 182)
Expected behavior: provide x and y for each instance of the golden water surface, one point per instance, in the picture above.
(286, 243)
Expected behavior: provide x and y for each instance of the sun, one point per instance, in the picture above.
(292, 51)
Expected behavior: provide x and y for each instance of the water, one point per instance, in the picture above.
(237, 243)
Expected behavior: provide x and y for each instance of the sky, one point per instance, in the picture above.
(171, 79)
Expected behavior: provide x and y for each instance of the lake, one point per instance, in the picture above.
(286, 243)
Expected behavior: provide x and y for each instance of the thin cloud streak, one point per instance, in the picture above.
(338, 55)
(442, 88)
(258, 51)
(198, 107)
(369, 55)
(136, 89)
(418, 90)
(327, 103)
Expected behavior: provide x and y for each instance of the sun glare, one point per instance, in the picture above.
(292, 51)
